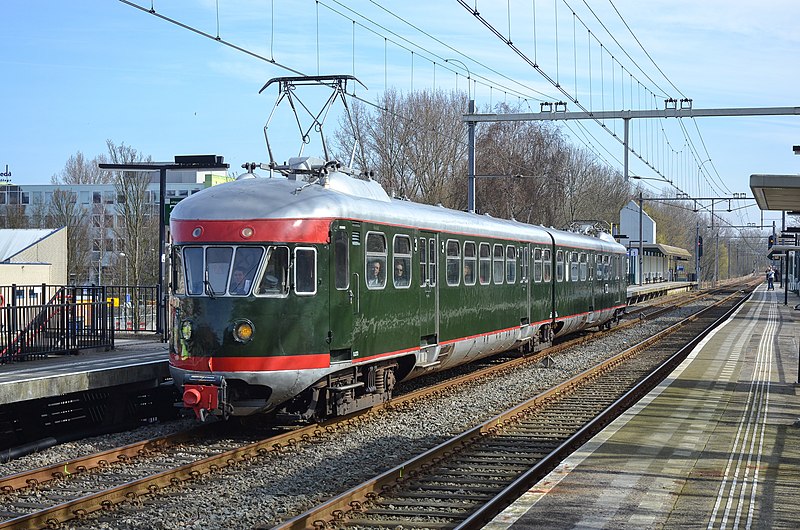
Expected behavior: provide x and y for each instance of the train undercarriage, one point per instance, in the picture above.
(345, 392)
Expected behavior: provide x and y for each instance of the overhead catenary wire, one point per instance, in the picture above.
(644, 150)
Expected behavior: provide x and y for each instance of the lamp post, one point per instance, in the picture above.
(127, 294)
(641, 239)
(196, 162)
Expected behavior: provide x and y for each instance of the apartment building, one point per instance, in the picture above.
(26, 206)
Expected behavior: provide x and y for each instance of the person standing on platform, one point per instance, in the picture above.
(770, 279)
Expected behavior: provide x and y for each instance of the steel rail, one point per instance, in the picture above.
(131, 491)
(523, 483)
(79, 508)
(336, 510)
(102, 459)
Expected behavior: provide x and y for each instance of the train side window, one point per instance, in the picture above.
(245, 266)
(275, 279)
(341, 260)
(573, 266)
(559, 265)
(402, 261)
(453, 264)
(485, 271)
(305, 271)
(218, 266)
(432, 261)
(511, 264)
(193, 265)
(547, 265)
(470, 263)
(375, 266)
(583, 266)
(537, 265)
(498, 264)
(178, 272)
(423, 261)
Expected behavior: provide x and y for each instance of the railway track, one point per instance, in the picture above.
(48, 497)
(464, 482)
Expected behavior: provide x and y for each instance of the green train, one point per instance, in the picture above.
(313, 293)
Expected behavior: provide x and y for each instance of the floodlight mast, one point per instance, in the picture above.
(286, 90)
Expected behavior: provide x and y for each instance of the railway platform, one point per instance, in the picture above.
(715, 445)
(639, 293)
(139, 363)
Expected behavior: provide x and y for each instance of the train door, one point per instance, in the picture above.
(587, 285)
(427, 244)
(526, 280)
(592, 285)
(343, 295)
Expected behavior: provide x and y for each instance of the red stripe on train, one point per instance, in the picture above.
(273, 230)
(252, 364)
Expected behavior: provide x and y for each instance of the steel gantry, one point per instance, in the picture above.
(557, 112)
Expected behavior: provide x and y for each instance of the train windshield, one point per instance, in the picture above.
(215, 271)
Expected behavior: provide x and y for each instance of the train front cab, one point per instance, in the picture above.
(243, 345)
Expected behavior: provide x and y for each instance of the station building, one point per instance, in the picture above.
(660, 262)
(33, 256)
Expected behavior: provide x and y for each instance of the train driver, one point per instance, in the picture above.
(239, 285)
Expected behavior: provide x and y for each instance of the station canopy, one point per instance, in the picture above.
(779, 251)
(675, 253)
(776, 192)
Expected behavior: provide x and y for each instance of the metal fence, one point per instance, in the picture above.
(39, 320)
(135, 307)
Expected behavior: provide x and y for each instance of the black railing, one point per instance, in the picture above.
(39, 320)
(135, 307)
(71, 320)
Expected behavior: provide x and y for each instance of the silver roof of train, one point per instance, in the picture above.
(339, 195)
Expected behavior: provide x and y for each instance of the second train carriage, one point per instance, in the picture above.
(315, 293)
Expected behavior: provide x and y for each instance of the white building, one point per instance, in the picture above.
(30, 256)
(99, 202)
(659, 262)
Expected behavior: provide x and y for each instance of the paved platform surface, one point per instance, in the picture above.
(716, 445)
(143, 362)
(638, 293)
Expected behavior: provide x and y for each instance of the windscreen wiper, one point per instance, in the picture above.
(207, 285)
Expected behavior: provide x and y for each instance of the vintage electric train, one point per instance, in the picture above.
(311, 292)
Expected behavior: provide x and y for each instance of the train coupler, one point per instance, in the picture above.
(206, 395)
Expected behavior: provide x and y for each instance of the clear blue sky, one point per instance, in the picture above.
(77, 73)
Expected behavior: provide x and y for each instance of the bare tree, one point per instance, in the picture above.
(79, 170)
(415, 144)
(63, 210)
(136, 229)
(13, 216)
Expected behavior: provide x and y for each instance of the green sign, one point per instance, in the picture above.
(169, 206)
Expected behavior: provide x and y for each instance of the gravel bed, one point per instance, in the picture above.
(281, 486)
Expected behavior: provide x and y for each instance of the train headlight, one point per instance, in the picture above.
(243, 330)
(186, 329)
